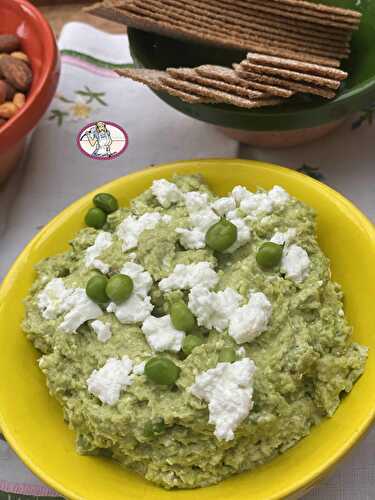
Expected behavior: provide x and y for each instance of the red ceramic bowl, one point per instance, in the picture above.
(38, 42)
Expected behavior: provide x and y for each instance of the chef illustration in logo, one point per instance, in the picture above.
(102, 140)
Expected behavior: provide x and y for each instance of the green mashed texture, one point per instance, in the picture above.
(305, 360)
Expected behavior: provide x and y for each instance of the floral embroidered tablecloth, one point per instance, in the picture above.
(55, 173)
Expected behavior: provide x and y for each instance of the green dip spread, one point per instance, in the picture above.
(263, 352)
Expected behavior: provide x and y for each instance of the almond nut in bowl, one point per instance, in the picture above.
(29, 71)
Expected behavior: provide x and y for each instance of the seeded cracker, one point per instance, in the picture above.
(218, 95)
(317, 10)
(276, 9)
(280, 62)
(270, 19)
(152, 78)
(251, 20)
(183, 21)
(290, 75)
(292, 85)
(192, 75)
(229, 75)
(234, 27)
(107, 11)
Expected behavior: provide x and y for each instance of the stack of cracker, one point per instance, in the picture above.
(190, 86)
(287, 73)
(293, 46)
(320, 32)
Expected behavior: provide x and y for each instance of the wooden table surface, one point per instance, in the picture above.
(59, 12)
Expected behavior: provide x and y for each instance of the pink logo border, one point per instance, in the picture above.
(116, 125)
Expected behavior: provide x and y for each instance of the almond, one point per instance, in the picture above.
(16, 72)
(3, 91)
(21, 56)
(9, 43)
(19, 100)
(7, 110)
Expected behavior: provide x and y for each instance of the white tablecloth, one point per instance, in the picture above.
(55, 173)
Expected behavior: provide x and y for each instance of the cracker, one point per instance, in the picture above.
(234, 26)
(322, 8)
(271, 19)
(178, 31)
(228, 75)
(278, 10)
(218, 95)
(292, 85)
(182, 20)
(281, 62)
(153, 78)
(192, 75)
(316, 10)
(290, 75)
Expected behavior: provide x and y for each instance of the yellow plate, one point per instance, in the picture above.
(32, 421)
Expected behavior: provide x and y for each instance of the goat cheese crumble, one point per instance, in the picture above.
(108, 382)
(166, 192)
(187, 276)
(102, 242)
(213, 309)
(102, 330)
(228, 390)
(249, 321)
(161, 335)
(295, 263)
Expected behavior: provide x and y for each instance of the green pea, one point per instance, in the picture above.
(190, 343)
(162, 371)
(96, 218)
(119, 288)
(154, 427)
(227, 355)
(221, 235)
(182, 318)
(95, 289)
(106, 202)
(269, 255)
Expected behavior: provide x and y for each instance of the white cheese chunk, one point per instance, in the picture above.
(295, 263)
(51, 300)
(102, 242)
(228, 390)
(213, 310)
(224, 205)
(239, 193)
(102, 330)
(192, 239)
(254, 204)
(250, 320)
(187, 276)
(108, 382)
(166, 192)
(202, 217)
(134, 310)
(278, 196)
(243, 233)
(132, 227)
(284, 238)
(195, 201)
(81, 309)
(142, 280)
(161, 335)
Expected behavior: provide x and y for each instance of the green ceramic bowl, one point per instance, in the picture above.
(150, 50)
